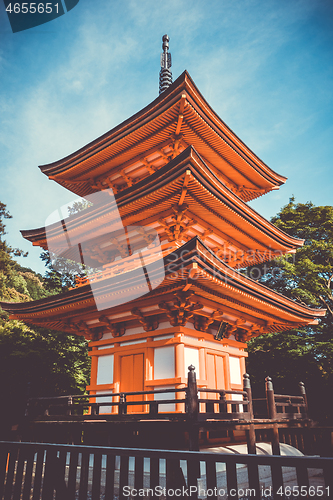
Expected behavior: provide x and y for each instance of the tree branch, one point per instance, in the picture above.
(326, 305)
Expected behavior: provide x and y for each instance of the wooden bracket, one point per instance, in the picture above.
(202, 323)
(177, 228)
(117, 329)
(149, 323)
(182, 309)
(81, 328)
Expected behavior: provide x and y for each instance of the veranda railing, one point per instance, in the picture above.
(67, 472)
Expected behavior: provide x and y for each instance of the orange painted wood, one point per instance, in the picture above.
(131, 378)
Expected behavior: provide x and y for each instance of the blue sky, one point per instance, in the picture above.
(266, 67)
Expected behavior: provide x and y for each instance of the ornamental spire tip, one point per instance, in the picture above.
(165, 73)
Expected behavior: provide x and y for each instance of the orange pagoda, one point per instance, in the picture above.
(160, 247)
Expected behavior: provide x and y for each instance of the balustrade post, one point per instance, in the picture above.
(192, 408)
(122, 404)
(192, 393)
(248, 390)
(250, 433)
(303, 392)
(271, 408)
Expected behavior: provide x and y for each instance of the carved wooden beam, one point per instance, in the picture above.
(146, 234)
(96, 253)
(122, 248)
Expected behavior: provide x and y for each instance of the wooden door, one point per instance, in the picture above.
(215, 371)
(132, 378)
(215, 375)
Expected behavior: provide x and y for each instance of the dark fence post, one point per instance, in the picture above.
(223, 403)
(192, 409)
(153, 407)
(174, 476)
(27, 400)
(95, 409)
(271, 408)
(250, 433)
(69, 405)
(303, 392)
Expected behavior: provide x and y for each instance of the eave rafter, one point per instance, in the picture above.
(209, 146)
(138, 168)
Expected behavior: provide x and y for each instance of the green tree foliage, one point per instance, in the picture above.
(6, 262)
(60, 272)
(52, 362)
(305, 354)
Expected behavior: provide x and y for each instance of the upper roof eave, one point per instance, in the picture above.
(57, 170)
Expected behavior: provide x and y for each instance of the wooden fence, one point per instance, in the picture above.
(31, 471)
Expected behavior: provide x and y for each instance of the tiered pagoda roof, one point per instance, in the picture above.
(177, 168)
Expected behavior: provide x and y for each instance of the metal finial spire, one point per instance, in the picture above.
(165, 73)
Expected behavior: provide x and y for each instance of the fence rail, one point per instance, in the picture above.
(48, 471)
(202, 403)
(195, 408)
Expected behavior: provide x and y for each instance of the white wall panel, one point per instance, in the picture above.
(192, 358)
(235, 370)
(105, 369)
(164, 362)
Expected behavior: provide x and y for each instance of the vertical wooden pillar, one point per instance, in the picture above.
(271, 409)
(179, 373)
(250, 433)
(94, 365)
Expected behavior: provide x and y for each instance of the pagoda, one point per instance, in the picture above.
(164, 236)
